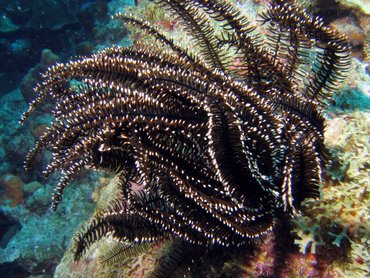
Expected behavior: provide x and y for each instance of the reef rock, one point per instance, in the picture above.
(13, 189)
(29, 81)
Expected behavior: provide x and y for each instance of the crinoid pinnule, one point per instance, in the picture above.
(218, 149)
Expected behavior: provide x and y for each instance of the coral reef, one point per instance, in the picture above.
(343, 214)
(25, 203)
(13, 189)
(89, 266)
(332, 238)
(329, 239)
(185, 130)
(355, 94)
(39, 245)
(33, 239)
(362, 5)
(351, 21)
(8, 228)
(30, 80)
(12, 135)
(66, 27)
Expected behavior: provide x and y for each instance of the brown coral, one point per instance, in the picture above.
(13, 189)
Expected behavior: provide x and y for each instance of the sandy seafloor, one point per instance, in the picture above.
(331, 237)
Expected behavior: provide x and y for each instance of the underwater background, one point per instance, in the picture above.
(332, 234)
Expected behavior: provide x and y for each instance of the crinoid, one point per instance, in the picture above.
(219, 149)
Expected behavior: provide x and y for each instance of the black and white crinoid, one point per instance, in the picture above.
(219, 149)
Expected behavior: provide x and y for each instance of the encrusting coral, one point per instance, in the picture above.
(13, 189)
(206, 151)
(342, 216)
